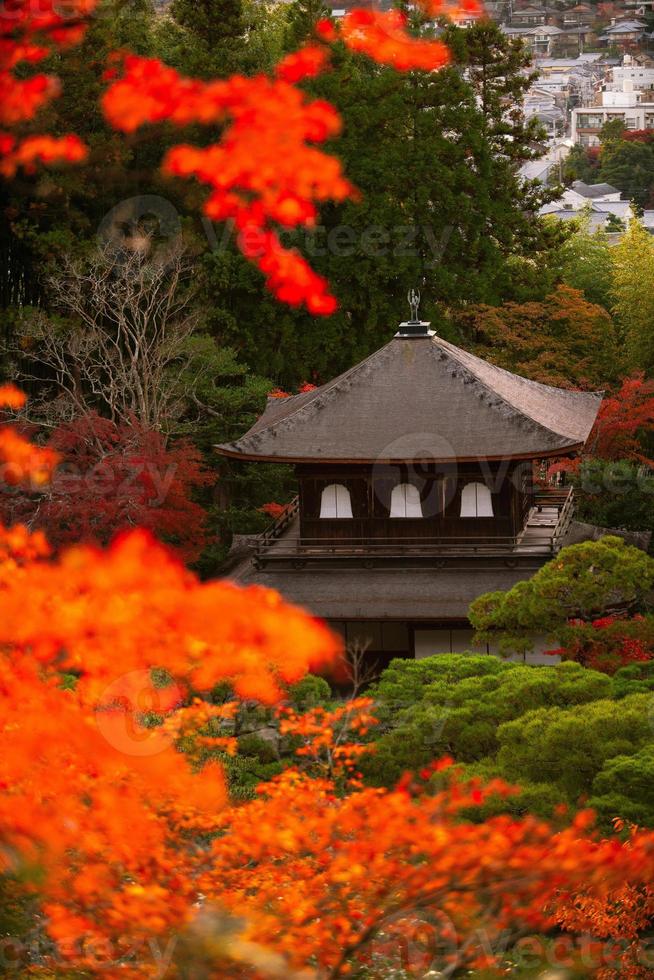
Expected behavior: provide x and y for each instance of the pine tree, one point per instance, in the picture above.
(441, 206)
(303, 15)
(212, 21)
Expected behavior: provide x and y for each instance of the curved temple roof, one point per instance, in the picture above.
(420, 398)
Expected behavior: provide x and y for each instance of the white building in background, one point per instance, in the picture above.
(545, 106)
(627, 105)
(580, 194)
(639, 76)
(601, 203)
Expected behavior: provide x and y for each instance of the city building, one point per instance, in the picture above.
(601, 204)
(627, 105)
(639, 76)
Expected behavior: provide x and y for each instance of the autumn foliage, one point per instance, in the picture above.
(108, 658)
(112, 476)
(608, 643)
(29, 33)
(96, 794)
(622, 419)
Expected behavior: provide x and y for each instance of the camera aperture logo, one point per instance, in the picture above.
(132, 710)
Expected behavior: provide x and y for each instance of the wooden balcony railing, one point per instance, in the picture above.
(282, 540)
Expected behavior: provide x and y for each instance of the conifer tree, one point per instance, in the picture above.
(212, 21)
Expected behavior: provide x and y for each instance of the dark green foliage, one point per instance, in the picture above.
(454, 704)
(210, 21)
(633, 679)
(303, 15)
(254, 763)
(568, 747)
(584, 262)
(614, 494)
(629, 166)
(584, 581)
(310, 692)
(625, 788)
(579, 165)
(563, 734)
(217, 38)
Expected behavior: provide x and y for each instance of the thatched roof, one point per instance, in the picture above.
(420, 398)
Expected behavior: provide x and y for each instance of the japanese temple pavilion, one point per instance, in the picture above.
(416, 491)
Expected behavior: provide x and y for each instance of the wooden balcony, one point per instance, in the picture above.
(540, 538)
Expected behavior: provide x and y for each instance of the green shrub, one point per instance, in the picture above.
(568, 747)
(625, 788)
(634, 679)
(454, 704)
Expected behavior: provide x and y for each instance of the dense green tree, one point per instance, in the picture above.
(569, 746)
(580, 165)
(634, 679)
(562, 734)
(228, 399)
(211, 21)
(584, 261)
(303, 15)
(616, 494)
(454, 704)
(629, 166)
(623, 788)
(633, 294)
(434, 155)
(583, 581)
(215, 38)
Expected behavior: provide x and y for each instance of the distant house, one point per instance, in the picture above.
(583, 13)
(580, 193)
(597, 220)
(540, 39)
(624, 34)
(549, 164)
(541, 104)
(601, 204)
(628, 106)
(530, 17)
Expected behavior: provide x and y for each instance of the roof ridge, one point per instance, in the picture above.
(520, 413)
(323, 390)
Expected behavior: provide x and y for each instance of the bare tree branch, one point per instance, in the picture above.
(123, 346)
